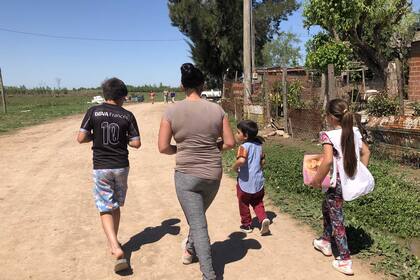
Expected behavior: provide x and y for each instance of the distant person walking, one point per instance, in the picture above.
(111, 128)
(165, 96)
(152, 96)
(196, 125)
(173, 94)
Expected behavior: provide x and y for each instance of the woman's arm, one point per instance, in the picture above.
(365, 154)
(324, 168)
(227, 135)
(165, 136)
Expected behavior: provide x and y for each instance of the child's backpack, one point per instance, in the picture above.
(362, 182)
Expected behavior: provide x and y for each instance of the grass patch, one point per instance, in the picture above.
(378, 225)
(29, 110)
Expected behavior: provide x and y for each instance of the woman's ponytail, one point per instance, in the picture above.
(339, 109)
(347, 144)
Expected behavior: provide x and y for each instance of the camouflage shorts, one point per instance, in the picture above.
(110, 188)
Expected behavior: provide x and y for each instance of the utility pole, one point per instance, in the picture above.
(252, 44)
(285, 111)
(3, 96)
(247, 53)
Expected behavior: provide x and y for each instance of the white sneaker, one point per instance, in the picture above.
(344, 266)
(265, 227)
(186, 258)
(323, 246)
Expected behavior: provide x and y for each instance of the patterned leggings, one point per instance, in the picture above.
(332, 211)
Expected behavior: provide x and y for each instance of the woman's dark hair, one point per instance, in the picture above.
(248, 128)
(339, 109)
(114, 89)
(191, 77)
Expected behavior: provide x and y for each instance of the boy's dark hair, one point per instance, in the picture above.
(248, 128)
(114, 89)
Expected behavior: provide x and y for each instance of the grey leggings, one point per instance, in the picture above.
(195, 196)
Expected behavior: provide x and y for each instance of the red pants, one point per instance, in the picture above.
(253, 199)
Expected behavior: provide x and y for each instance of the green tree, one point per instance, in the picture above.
(215, 32)
(282, 51)
(323, 50)
(368, 25)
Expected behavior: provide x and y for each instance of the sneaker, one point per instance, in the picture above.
(247, 229)
(344, 266)
(265, 227)
(187, 257)
(323, 246)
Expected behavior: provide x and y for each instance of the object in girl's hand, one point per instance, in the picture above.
(311, 164)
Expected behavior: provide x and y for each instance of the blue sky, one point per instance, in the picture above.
(38, 61)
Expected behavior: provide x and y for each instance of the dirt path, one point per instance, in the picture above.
(50, 228)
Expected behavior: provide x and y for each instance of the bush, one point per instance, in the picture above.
(381, 105)
(416, 108)
(293, 95)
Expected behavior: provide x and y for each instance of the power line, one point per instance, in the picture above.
(85, 38)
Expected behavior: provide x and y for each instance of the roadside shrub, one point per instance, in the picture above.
(416, 108)
(293, 95)
(294, 89)
(381, 105)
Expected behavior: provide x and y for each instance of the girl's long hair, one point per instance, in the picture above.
(339, 109)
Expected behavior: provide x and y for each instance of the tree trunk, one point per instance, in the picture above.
(371, 57)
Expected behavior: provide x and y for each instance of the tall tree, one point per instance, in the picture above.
(323, 50)
(282, 51)
(214, 30)
(368, 25)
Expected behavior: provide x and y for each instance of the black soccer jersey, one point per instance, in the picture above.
(112, 127)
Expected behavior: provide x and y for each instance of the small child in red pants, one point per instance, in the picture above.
(250, 186)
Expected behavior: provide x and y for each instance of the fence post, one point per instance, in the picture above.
(285, 113)
(267, 98)
(400, 84)
(324, 94)
(3, 94)
(331, 82)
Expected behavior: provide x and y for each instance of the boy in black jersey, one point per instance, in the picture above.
(111, 128)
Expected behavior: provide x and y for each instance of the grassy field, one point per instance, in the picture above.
(26, 110)
(29, 110)
(382, 226)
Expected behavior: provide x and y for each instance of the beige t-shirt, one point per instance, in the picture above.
(196, 126)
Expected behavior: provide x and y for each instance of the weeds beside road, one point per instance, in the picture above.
(379, 225)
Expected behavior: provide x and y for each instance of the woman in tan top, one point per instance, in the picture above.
(196, 125)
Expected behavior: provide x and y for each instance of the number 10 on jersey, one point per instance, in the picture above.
(110, 133)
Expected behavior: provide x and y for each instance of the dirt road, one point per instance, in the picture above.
(50, 228)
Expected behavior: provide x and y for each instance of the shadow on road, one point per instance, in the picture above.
(231, 250)
(148, 235)
(358, 239)
(270, 215)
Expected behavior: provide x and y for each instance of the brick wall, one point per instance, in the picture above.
(397, 137)
(414, 74)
